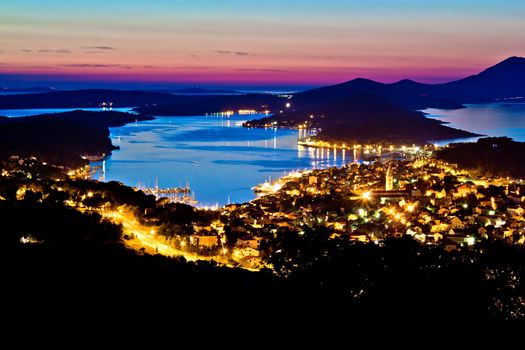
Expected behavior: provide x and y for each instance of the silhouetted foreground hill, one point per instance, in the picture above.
(365, 118)
(494, 156)
(61, 138)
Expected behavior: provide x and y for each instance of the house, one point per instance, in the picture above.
(456, 223)
(339, 225)
(439, 227)
(441, 194)
(443, 211)
(248, 242)
(204, 241)
(435, 237)
(463, 191)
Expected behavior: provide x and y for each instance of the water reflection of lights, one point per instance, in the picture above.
(326, 157)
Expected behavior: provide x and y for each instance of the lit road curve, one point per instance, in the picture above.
(146, 239)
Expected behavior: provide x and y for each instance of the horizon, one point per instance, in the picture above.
(236, 86)
(243, 45)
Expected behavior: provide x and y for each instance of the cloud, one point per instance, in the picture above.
(96, 65)
(26, 50)
(102, 48)
(54, 51)
(228, 52)
(260, 70)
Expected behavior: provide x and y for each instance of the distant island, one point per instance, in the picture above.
(198, 91)
(364, 118)
(61, 138)
(490, 156)
(34, 89)
(201, 105)
(505, 80)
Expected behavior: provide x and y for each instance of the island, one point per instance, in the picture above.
(503, 81)
(66, 139)
(434, 235)
(363, 118)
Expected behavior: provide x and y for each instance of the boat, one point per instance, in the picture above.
(93, 157)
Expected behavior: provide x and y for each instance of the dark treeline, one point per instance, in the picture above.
(491, 156)
(61, 138)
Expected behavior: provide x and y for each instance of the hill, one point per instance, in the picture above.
(156, 103)
(84, 99)
(365, 118)
(491, 156)
(407, 93)
(61, 138)
(200, 105)
(504, 80)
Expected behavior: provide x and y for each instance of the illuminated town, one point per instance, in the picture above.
(277, 165)
(429, 200)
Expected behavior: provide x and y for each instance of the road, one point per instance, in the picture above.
(145, 237)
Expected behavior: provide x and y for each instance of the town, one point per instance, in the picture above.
(429, 200)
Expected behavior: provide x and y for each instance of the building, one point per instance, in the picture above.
(204, 241)
(389, 179)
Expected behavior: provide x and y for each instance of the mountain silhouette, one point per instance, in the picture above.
(504, 80)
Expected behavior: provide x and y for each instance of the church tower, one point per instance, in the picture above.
(389, 179)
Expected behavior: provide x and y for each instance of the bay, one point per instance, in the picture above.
(217, 157)
(490, 119)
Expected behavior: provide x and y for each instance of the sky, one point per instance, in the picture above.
(253, 42)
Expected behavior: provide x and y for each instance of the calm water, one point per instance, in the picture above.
(222, 160)
(218, 157)
(491, 119)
